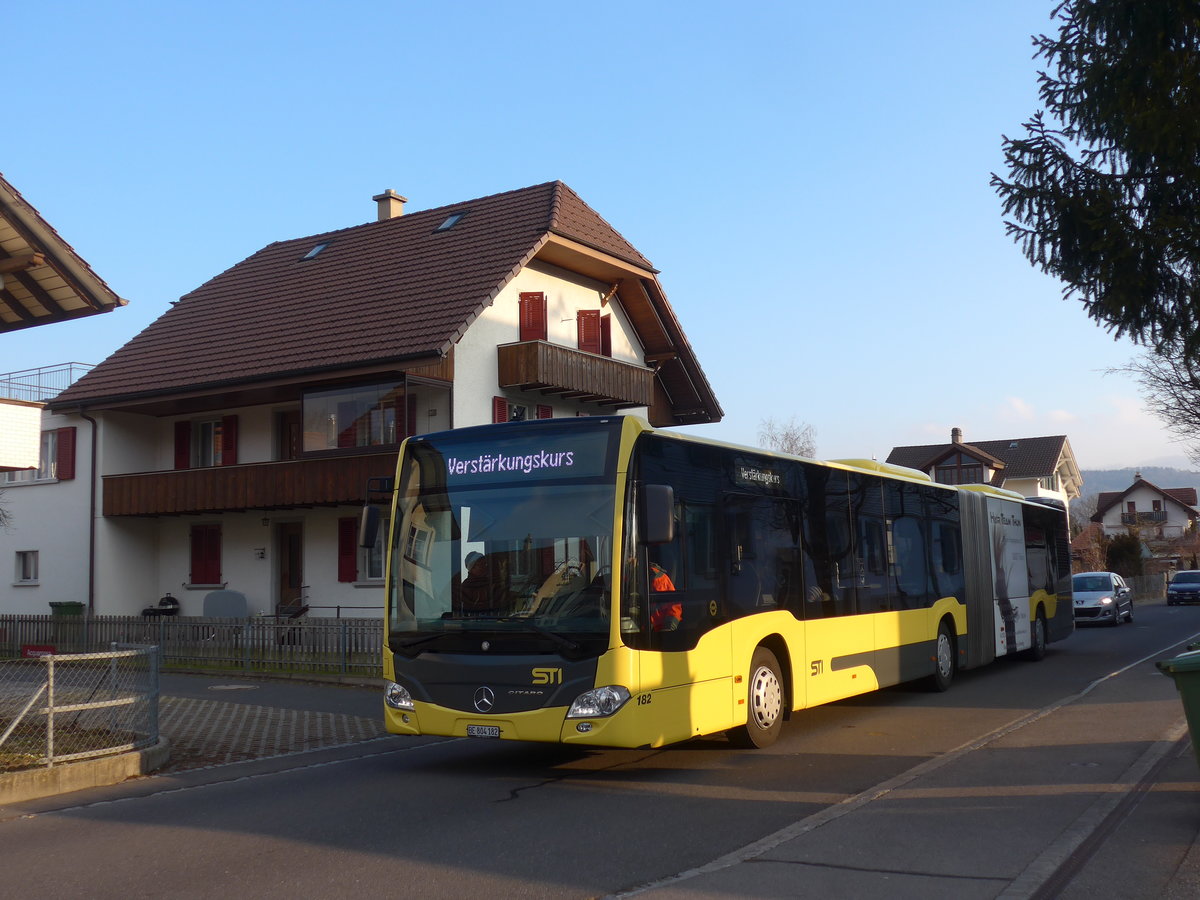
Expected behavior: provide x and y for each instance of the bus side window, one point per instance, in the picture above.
(947, 559)
(911, 578)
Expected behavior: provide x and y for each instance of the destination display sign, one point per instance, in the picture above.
(536, 455)
(756, 476)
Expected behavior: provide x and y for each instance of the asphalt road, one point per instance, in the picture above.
(449, 818)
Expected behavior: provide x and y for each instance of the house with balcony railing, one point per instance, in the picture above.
(1151, 512)
(232, 440)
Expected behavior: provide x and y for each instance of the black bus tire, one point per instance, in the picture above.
(1037, 638)
(943, 663)
(764, 702)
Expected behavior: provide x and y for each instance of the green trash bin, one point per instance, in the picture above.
(66, 608)
(1185, 669)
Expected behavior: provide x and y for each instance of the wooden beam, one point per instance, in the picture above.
(21, 262)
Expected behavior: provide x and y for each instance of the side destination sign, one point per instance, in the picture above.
(537, 457)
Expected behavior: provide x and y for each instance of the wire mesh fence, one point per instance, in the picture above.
(58, 708)
(260, 644)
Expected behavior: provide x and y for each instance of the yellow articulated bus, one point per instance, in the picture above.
(595, 581)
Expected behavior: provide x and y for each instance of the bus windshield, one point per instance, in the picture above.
(527, 563)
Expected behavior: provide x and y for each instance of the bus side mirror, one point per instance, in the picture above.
(368, 526)
(658, 514)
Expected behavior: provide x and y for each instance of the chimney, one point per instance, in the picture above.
(391, 204)
(956, 435)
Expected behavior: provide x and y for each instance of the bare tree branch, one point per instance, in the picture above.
(792, 436)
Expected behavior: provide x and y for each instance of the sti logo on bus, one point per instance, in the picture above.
(547, 676)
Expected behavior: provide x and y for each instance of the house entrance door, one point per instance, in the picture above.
(289, 539)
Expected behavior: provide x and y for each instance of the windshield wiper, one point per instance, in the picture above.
(565, 643)
(424, 639)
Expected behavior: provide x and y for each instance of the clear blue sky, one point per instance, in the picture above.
(810, 178)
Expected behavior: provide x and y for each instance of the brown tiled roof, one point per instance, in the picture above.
(44, 279)
(378, 293)
(1033, 457)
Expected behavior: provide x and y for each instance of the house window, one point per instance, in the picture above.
(365, 415)
(595, 332)
(1049, 482)
(206, 442)
(27, 567)
(503, 411)
(56, 459)
(206, 554)
(532, 310)
(958, 469)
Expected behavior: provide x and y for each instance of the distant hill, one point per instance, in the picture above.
(1097, 481)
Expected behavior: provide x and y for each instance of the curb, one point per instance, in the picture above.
(33, 784)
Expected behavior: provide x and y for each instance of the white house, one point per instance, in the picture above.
(232, 440)
(1147, 510)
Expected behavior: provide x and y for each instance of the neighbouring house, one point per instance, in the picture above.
(1032, 467)
(232, 440)
(42, 281)
(1147, 510)
(1164, 519)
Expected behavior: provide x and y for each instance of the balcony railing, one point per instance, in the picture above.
(39, 385)
(1144, 518)
(574, 374)
(327, 481)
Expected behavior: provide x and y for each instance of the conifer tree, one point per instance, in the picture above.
(1103, 189)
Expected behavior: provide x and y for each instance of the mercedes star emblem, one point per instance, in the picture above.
(485, 699)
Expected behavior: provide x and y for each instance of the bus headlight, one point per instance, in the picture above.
(397, 696)
(603, 701)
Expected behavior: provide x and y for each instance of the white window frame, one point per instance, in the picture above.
(26, 569)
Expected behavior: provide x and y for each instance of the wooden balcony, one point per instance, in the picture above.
(1157, 517)
(290, 484)
(574, 375)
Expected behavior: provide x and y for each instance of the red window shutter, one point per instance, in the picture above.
(64, 464)
(348, 549)
(499, 409)
(206, 554)
(588, 322)
(606, 335)
(183, 445)
(229, 440)
(532, 307)
(545, 411)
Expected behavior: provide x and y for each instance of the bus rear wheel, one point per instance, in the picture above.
(1037, 638)
(764, 699)
(943, 664)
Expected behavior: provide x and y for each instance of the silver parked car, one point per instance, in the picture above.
(1103, 597)
(1184, 587)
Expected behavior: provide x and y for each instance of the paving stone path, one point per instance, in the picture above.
(209, 732)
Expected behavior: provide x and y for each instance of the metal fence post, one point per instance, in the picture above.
(152, 690)
(49, 711)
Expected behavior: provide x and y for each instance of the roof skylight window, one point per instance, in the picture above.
(451, 220)
(315, 250)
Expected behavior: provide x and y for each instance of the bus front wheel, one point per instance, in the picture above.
(764, 699)
(943, 664)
